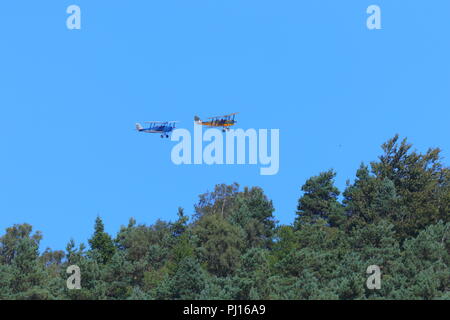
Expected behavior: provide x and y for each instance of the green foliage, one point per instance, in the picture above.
(421, 182)
(189, 280)
(250, 210)
(395, 214)
(319, 201)
(220, 244)
(101, 242)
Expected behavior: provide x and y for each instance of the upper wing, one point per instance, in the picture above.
(161, 121)
(224, 116)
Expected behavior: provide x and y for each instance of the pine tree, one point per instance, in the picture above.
(319, 201)
(219, 244)
(421, 182)
(101, 242)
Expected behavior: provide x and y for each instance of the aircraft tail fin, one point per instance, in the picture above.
(139, 127)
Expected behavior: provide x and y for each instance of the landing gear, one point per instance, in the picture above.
(162, 136)
(167, 136)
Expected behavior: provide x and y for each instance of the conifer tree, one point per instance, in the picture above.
(101, 242)
(319, 201)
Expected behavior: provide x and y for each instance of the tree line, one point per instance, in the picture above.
(395, 215)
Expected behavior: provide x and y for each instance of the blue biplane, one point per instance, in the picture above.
(162, 127)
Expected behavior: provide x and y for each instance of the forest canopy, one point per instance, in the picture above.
(395, 214)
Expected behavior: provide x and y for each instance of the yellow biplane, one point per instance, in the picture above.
(224, 122)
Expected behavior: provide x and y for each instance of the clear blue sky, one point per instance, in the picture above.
(69, 99)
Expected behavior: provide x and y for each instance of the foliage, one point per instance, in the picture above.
(395, 214)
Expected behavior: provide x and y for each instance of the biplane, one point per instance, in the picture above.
(162, 127)
(224, 122)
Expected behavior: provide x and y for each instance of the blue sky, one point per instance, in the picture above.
(336, 90)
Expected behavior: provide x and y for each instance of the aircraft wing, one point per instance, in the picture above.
(227, 115)
(231, 114)
(161, 121)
